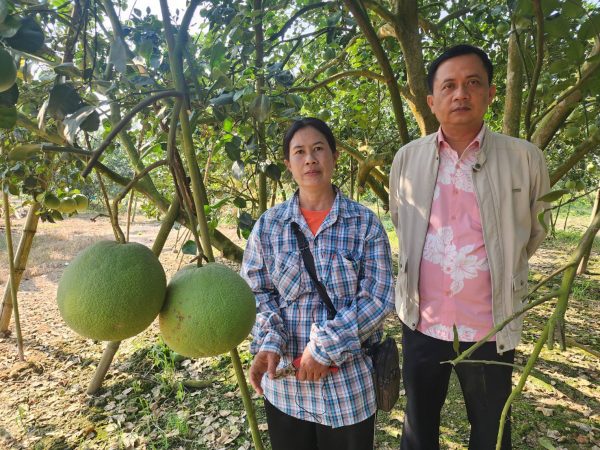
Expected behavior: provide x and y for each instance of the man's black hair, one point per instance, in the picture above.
(317, 124)
(453, 52)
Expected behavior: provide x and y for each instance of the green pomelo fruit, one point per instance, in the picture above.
(208, 311)
(67, 205)
(571, 132)
(81, 202)
(591, 168)
(51, 201)
(570, 184)
(580, 186)
(111, 291)
(8, 71)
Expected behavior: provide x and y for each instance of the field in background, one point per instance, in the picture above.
(152, 399)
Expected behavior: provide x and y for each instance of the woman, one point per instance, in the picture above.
(328, 402)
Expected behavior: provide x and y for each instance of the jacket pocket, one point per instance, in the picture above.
(520, 288)
(402, 281)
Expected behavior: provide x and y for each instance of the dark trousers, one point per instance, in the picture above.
(288, 433)
(485, 389)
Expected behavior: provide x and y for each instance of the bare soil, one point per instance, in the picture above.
(143, 403)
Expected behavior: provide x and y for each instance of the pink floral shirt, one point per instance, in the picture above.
(454, 283)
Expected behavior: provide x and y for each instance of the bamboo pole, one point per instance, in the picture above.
(20, 262)
(239, 373)
(13, 282)
(112, 347)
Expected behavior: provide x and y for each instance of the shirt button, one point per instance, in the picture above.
(448, 292)
(453, 217)
(501, 347)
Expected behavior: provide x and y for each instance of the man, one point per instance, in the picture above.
(464, 205)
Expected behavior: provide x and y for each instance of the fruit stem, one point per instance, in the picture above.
(241, 379)
(13, 281)
(103, 365)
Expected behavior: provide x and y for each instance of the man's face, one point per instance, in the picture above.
(461, 93)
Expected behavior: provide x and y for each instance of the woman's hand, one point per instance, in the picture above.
(310, 369)
(263, 362)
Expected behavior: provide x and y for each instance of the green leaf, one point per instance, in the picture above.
(23, 152)
(541, 217)
(91, 123)
(68, 69)
(273, 172)
(261, 107)
(189, 248)
(10, 26)
(10, 96)
(29, 38)
(73, 122)
(228, 125)
(233, 150)
(63, 100)
(223, 99)
(239, 202)
(546, 443)
(118, 56)
(589, 28)
(3, 10)
(8, 117)
(455, 340)
(552, 196)
(575, 51)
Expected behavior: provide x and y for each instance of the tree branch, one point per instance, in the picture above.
(297, 14)
(124, 121)
(350, 73)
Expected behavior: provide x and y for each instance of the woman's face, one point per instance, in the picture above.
(311, 160)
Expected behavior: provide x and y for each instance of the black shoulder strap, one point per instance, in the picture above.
(309, 263)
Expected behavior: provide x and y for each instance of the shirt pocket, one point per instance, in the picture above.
(289, 276)
(342, 283)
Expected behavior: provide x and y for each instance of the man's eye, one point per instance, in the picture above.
(474, 82)
(317, 148)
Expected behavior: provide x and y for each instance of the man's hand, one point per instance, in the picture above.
(310, 369)
(263, 362)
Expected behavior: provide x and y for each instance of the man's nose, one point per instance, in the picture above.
(461, 91)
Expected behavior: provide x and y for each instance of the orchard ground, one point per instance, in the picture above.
(153, 399)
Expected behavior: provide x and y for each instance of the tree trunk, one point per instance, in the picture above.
(20, 262)
(260, 90)
(586, 257)
(514, 88)
(406, 27)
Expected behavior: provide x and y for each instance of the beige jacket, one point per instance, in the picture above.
(509, 176)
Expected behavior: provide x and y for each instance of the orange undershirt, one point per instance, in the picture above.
(314, 219)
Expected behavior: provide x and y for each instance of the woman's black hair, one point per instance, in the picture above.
(317, 124)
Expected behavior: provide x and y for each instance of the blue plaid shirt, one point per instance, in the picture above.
(353, 260)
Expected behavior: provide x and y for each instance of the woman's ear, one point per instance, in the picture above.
(287, 164)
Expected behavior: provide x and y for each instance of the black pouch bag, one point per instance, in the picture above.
(386, 365)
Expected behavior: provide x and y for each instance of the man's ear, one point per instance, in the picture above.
(491, 94)
(287, 164)
(430, 102)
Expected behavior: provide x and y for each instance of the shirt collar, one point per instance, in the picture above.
(476, 143)
(340, 207)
